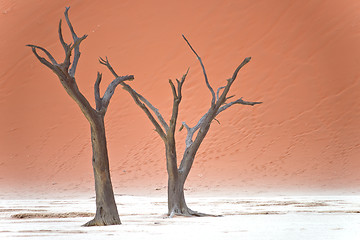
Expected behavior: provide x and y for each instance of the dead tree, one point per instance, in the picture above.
(177, 175)
(106, 210)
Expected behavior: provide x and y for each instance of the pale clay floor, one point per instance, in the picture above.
(281, 217)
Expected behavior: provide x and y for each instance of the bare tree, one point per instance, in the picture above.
(106, 210)
(177, 175)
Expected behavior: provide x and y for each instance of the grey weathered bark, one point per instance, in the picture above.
(106, 210)
(178, 175)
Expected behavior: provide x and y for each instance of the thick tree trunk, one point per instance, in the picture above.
(106, 210)
(176, 180)
(176, 198)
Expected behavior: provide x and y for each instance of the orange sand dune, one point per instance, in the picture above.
(305, 68)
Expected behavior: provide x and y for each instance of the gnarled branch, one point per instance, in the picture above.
(61, 70)
(111, 89)
(43, 60)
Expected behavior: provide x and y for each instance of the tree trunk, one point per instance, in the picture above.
(176, 198)
(106, 210)
(176, 181)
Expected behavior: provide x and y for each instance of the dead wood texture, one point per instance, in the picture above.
(106, 210)
(177, 175)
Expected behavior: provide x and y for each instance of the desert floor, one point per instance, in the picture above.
(243, 217)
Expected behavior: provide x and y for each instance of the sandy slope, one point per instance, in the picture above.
(305, 62)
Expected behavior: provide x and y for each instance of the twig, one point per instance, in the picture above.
(203, 68)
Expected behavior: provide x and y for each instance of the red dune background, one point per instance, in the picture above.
(304, 67)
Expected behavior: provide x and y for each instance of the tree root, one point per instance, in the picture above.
(91, 223)
(190, 213)
(101, 222)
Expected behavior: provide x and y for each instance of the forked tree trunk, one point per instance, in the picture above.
(177, 175)
(106, 210)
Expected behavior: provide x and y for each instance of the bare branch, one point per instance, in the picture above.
(98, 99)
(41, 59)
(227, 98)
(203, 125)
(239, 101)
(76, 57)
(66, 47)
(137, 98)
(198, 125)
(192, 131)
(221, 100)
(244, 62)
(73, 34)
(108, 65)
(61, 70)
(189, 136)
(180, 83)
(71, 89)
(141, 102)
(111, 89)
(51, 58)
(175, 109)
(204, 72)
(176, 103)
(185, 125)
(76, 44)
(140, 97)
(218, 91)
(54, 67)
(63, 43)
(185, 75)
(173, 89)
(154, 109)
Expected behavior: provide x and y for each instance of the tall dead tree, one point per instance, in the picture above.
(178, 175)
(106, 210)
